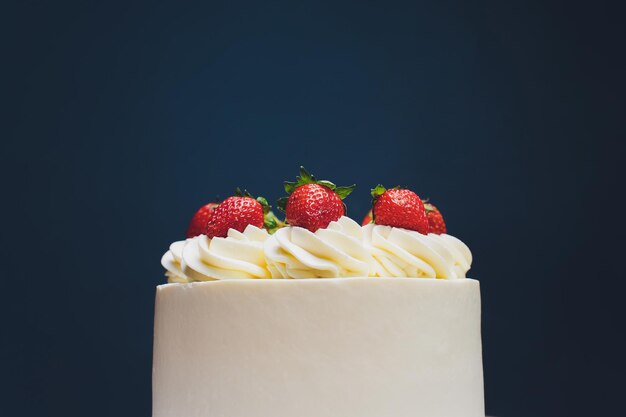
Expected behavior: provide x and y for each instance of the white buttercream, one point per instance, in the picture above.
(343, 249)
(405, 253)
(239, 255)
(345, 347)
(171, 261)
(336, 251)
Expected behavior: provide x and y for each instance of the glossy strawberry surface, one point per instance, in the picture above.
(234, 213)
(436, 223)
(199, 221)
(313, 206)
(399, 207)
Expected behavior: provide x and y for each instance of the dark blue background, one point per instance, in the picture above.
(120, 119)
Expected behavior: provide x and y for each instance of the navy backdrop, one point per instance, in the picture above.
(121, 118)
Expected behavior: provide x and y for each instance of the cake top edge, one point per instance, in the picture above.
(240, 237)
(326, 281)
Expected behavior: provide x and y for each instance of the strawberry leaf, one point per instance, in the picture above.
(281, 204)
(271, 223)
(243, 193)
(263, 202)
(343, 192)
(327, 184)
(305, 177)
(290, 186)
(378, 191)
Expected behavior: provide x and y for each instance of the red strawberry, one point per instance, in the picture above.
(367, 219)
(237, 212)
(313, 204)
(435, 219)
(399, 207)
(198, 223)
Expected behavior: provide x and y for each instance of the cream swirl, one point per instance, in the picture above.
(239, 255)
(405, 253)
(171, 261)
(343, 249)
(336, 251)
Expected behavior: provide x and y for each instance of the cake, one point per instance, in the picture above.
(318, 316)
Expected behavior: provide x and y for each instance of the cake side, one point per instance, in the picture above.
(346, 347)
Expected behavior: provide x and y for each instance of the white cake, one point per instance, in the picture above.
(338, 347)
(345, 321)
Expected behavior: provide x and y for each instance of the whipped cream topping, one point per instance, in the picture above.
(171, 261)
(343, 249)
(406, 253)
(337, 251)
(239, 255)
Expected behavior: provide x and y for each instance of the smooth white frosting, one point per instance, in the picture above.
(406, 253)
(345, 347)
(336, 251)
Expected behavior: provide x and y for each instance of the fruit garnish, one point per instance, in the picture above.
(198, 223)
(311, 203)
(435, 219)
(367, 219)
(399, 207)
(237, 212)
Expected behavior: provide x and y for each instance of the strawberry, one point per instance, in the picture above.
(367, 219)
(435, 219)
(399, 207)
(198, 223)
(237, 212)
(313, 204)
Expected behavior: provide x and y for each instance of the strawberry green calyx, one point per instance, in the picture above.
(306, 177)
(281, 203)
(380, 190)
(263, 202)
(427, 206)
(242, 193)
(272, 223)
(376, 192)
